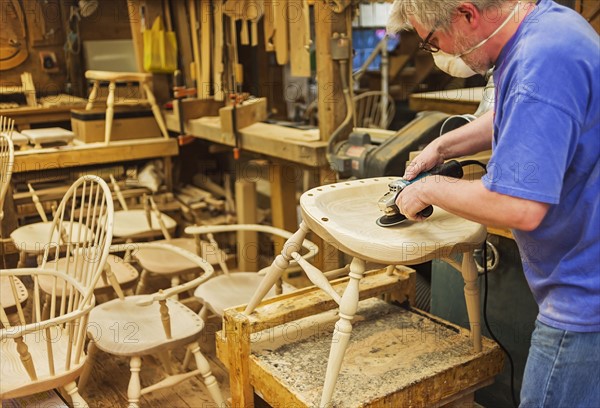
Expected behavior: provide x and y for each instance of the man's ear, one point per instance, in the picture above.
(469, 13)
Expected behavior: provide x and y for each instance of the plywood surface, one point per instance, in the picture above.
(344, 214)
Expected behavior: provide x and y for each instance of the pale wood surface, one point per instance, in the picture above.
(6, 294)
(345, 214)
(140, 330)
(153, 260)
(125, 273)
(32, 238)
(225, 291)
(133, 223)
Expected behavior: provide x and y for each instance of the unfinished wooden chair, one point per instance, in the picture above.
(152, 325)
(153, 262)
(374, 109)
(344, 215)
(233, 288)
(30, 239)
(38, 354)
(113, 78)
(12, 290)
(7, 159)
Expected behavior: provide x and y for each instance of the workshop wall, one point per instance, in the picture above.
(45, 31)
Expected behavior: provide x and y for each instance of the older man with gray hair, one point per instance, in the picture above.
(543, 178)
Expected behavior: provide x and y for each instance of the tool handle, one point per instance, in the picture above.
(451, 168)
(426, 212)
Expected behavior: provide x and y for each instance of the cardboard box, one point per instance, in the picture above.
(128, 123)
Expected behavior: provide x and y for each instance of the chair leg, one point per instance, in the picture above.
(110, 110)
(92, 97)
(78, 401)
(156, 111)
(92, 350)
(343, 328)
(134, 391)
(46, 307)
(141, 286)
(22, 260)
(209, 379)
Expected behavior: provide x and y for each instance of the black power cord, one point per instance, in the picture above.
(492, 335)
(485, 298)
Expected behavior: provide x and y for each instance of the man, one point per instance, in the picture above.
(543, 178)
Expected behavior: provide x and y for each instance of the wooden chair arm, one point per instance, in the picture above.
(202, 264)
(310, 246)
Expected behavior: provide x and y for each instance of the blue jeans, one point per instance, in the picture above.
(562, 370)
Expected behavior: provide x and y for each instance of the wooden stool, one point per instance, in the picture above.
(344, 215)
(113, 78)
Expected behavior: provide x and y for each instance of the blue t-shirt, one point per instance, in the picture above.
(546, 148)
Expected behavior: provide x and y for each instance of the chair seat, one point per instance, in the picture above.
(125, 273)
(133, 223)
(15, 380)
(32, 238)
(139, 329)
(6, 295)
(162, 261)
(233, 289)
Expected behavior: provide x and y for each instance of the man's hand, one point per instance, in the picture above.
(426, 160)
(412, 199)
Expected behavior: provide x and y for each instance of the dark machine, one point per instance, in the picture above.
(363, 156)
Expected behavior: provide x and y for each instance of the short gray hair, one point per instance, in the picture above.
(434, 13)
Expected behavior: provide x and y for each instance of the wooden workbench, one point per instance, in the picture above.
(25, 117)
(395, 358)
(97, 153)
(451, 101)
(283, 146)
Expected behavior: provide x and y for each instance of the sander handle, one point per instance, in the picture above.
(451, 168)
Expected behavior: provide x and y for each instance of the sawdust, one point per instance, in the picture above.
(390, 349)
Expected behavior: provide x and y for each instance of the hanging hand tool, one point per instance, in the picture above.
(387, 203)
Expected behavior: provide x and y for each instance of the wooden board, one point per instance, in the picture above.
(299, 38)
(93, 153)
(280, 11)
(263, 138)
(246, 114)
(206, 48)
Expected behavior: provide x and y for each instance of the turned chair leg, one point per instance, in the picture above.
(343, 328)
(78, 401)
(209, 379)
(470, 275)
(134, 391)
(110, 110)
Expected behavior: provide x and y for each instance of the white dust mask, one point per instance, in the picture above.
(455, 65)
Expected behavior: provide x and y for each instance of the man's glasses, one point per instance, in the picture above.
(425, 45)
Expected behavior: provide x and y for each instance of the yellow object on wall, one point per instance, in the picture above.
(160, 49)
